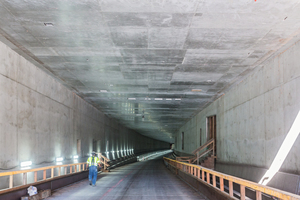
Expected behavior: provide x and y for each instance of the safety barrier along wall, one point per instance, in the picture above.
(61, 170)
(210, 178)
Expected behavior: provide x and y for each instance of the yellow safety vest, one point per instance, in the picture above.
(90, 161)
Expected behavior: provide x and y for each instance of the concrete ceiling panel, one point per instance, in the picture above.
(129, 37)
(169, 38)
(190, 50)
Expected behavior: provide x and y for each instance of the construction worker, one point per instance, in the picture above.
(92, 162)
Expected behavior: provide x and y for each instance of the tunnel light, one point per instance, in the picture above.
(26, 164)
(158, 99)
(169, 99)
(59, 163)
(131, 98)
(178, 99)
(75, 157)
(59, 159)
(283, 151)
(103, 90)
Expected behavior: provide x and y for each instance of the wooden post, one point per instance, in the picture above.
(75, 168)
(65, 171)
(11, 181)
(221, 184)
(199, 173)
(203, 178)
(214, 180)
(79, 168)
(207, 177)
(71, 168)
(25, 178)
(35, 176)
(231, 188)
(44, 175)
(258, 195)
(242, 191)
(59, 171)
(52, 172)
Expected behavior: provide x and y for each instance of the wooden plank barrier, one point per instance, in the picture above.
(44, 170)
(207, 173)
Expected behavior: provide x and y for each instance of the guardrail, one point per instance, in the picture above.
(210, 145)
(103, 160)
(210, 177)
(73, 168)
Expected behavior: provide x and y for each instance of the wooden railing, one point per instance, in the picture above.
(210, 178)
(78, 167)
(103, 160)
(210, 144)
(192, 159)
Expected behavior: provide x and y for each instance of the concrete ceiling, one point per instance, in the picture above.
(173, 56)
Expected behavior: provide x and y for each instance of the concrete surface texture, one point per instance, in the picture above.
(142, 180)
(121, 55)
(40, 119)
(254, 117)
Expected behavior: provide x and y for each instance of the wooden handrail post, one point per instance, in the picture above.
(59, 171)
(242, 191)
(214, 180)
(221, 184)
(52, 172)
(44, 175)
(71, 168)
(65, 171)
(231, 188)
(11, 181)
(25, 178)
(207, 177)
(35, 176)
(258, 195)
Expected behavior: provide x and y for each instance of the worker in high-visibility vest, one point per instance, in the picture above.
(92, 162)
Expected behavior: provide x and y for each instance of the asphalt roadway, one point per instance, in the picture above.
(147, 180)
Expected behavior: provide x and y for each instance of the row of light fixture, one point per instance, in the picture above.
(156, 99)
(59, 160)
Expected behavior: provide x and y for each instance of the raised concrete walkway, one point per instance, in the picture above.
(142, 180)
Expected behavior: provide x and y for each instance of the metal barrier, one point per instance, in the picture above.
(210, 177)
(78, 167)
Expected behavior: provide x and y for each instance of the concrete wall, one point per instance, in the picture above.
(40, 119)
(254, 117)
